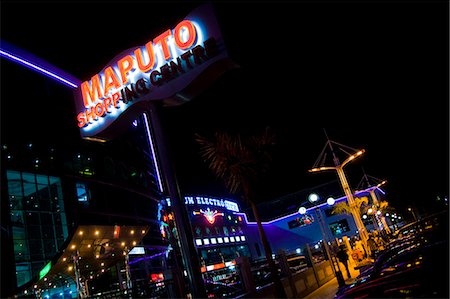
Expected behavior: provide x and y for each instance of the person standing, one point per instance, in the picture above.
(343, 258)
(372, 246)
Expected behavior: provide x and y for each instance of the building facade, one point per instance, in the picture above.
(57, 195)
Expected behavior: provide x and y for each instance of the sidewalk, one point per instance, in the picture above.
(328, 290)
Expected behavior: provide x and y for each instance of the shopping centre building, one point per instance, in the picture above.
(87, 218)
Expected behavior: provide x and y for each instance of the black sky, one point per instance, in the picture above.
(373, 73)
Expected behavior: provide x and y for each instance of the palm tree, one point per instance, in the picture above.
(239, 162)
(344, 208)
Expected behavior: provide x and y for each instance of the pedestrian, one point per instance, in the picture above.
(343, 258)
(359, 247)
(372, 246)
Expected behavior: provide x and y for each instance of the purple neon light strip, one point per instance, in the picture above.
(296, 213)
(379, 189)
(37, 68)
(149, 136)
(146, 258)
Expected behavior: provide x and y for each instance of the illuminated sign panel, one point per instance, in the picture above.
(45, 270)
(208, 201)
(301, 221)
(168, 67)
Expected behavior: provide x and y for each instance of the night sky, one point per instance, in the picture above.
(373, 74)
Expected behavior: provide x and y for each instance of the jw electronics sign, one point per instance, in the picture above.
(172, 67)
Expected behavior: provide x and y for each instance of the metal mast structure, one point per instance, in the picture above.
(351, 154)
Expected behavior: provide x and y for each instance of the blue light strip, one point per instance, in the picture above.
(296, 213)
(149, 136)
(38, 68)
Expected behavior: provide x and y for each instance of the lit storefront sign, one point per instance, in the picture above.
(165, 68)
(208, 201)
(301, 221)
(209, 215)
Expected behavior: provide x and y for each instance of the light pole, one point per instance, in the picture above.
(339, 168)
(334, 263)
(376, 205)
(412, 211)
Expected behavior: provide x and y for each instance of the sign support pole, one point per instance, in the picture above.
(188, 250)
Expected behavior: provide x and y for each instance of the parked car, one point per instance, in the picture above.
(222, 290)
(418, 272)
(414, 265)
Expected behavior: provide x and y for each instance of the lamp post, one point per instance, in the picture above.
(339, 168)
(412, 211)
(379, 216)
(334, 263)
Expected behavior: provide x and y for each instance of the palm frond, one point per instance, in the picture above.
(235, 159)
(341, 208)
(383, 205)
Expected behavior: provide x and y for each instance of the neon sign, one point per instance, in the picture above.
(301, 221)
(45, 270)
(209, 215)
(209, 201)
(165, 68)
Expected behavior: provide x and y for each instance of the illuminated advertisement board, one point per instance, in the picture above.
(171, 67)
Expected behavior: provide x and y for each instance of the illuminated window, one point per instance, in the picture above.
(206, 241)
(226, 240)
(220, 240)
(198, 242)
(238, 238)
(213, 241)
(242, 238)
(82, 192)
(339, 227)
(232, 239)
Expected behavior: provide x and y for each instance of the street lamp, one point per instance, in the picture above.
(335, 264)
(330, 201)
(302, 210)
(414, 215)
(339, 168)
(313, 197)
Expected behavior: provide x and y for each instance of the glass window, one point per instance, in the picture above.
(42, 179)
(46, 219)
(21, 250)
(32, 218)
(23, 273)
(339, 227)
(34, 232)
(17, 218)
(55, 188)
(49, 248)
(14, 183)
(15, 202)
(47, 232)
(18, 232)
(43, 192)
(243, 250)
(29, 184)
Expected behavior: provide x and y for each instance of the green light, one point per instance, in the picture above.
(45, 270)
